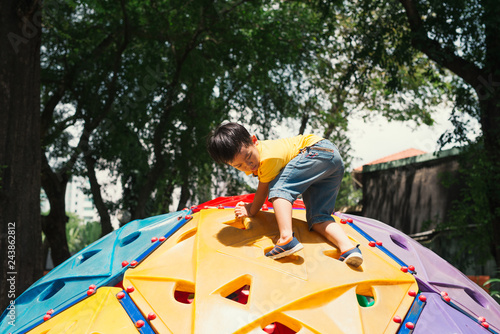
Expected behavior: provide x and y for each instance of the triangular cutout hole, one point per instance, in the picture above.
(184, 293)
(278, 328)
(240, 295)
(238, 290)
(365, 296)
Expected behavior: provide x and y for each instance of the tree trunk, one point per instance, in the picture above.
(303, 123)
(54, 225)
(139, 212)
(185, 193)
(488, 92)
(95, 187)
(20, 231)
(490, 125)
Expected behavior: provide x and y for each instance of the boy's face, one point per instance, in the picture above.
(248, 159)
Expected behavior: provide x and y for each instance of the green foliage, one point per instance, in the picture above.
(469, 222)
(147, 81)
(80, 234)
(493, 282)
(157, 77)
(412, 55)
(390, 75)
(349, 195)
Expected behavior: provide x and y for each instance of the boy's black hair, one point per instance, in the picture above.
(226, 141)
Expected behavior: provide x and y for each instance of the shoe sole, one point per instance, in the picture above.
(354, 260)
(286, 253)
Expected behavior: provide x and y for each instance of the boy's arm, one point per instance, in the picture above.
(253, 208)
(259, 199)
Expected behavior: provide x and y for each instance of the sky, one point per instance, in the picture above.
(379, 138)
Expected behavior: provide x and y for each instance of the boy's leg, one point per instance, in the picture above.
(283, 213)
(334, 233)
(320, 199)
(287, 244)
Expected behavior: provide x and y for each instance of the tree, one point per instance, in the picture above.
(462, 40)
(135, 88)
(464, 37)
(144, 89)
(188, 75)
(81, 59)
(20, 239)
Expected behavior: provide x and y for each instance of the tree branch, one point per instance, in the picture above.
(445, 57)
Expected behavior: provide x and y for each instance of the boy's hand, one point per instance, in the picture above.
(242, 209)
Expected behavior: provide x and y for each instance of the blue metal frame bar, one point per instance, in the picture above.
(135, 315)
(412, 316)
(382, 248)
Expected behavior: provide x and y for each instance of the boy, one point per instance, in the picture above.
(305, 164)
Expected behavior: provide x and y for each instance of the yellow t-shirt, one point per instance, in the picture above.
(275, 154)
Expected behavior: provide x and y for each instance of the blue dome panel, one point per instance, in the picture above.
(99, 264)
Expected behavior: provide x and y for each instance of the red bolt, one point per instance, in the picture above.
(46, 317)
(154, 239)
(404, 269)
(485, 325)
(90, 292)
(372, 243)
(124, 264)
(162, 239)
(444, 293)
(151, 316)
(349, 220)
(379, 243)
(133, 263)
(410, 325)
(481, 319)
(49, 312)
(412, 293)
(397, 319)
(410, 267)
(130, 289)
(343, 221)
(422, 298)
(139, 323)
(92, 286)
(188, 217)
(120, 295)
(264, 207)
(447, 298)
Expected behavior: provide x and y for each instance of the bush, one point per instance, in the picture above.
(80, 234)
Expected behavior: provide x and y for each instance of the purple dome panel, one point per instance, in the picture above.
(439, 317)
(433, 273)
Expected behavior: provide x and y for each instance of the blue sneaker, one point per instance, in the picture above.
(352, 257)
(285, 249)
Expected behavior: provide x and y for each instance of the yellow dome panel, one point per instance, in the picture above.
(100, 313)
(212, 276)
(168, 269)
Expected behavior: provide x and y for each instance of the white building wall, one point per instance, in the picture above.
(79, 203)
(76, 201)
